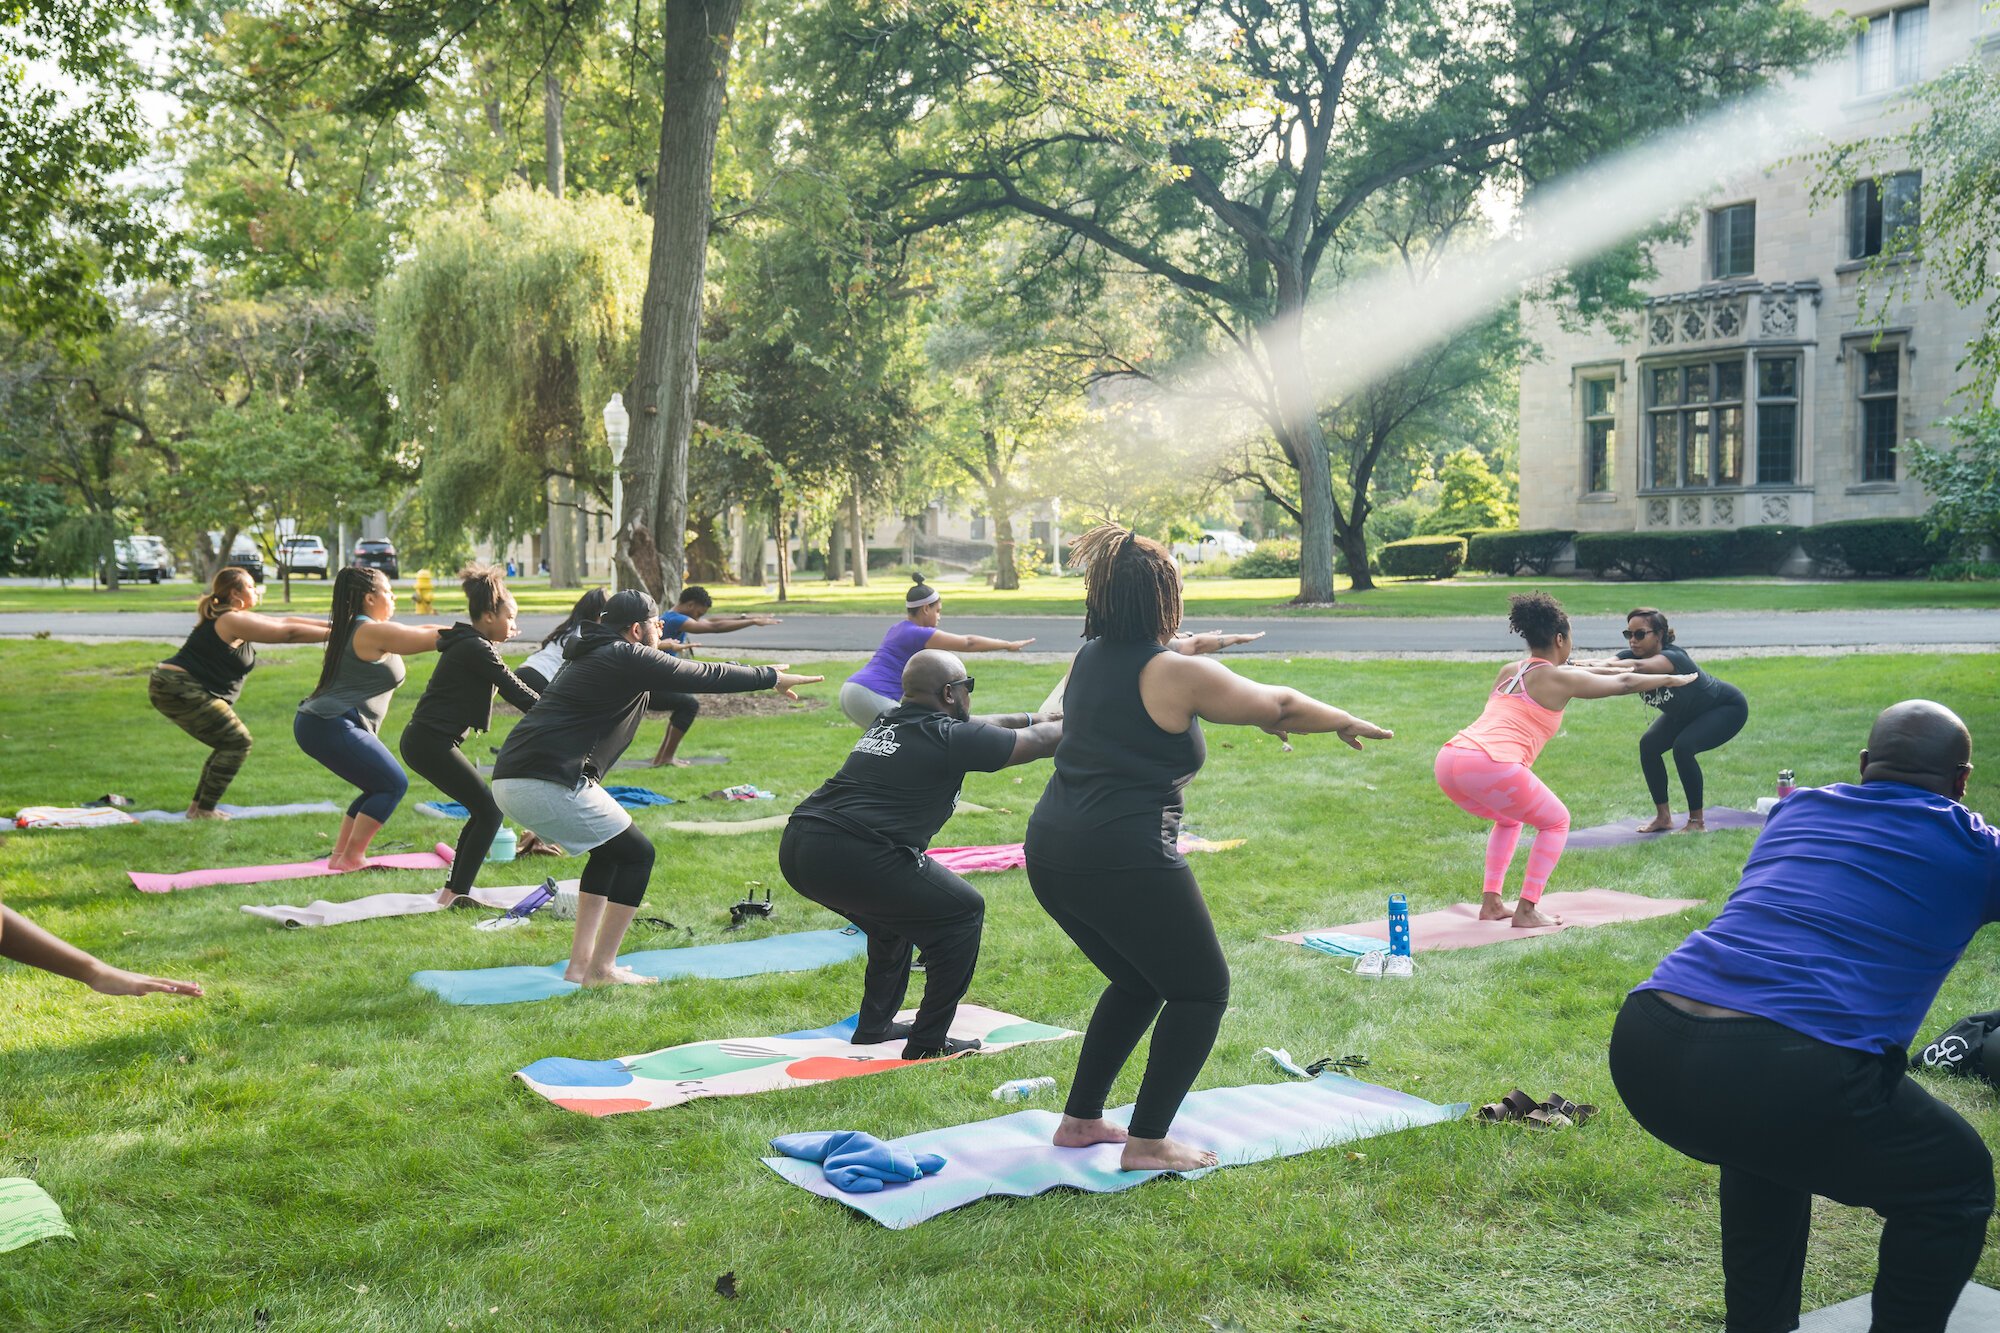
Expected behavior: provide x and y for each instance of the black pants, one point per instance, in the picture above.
(1149, 933)
(436, 759)
(1787, 1117)
(1688, 737)
(682, 706)
(899, 900)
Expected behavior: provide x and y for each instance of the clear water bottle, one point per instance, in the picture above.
(1023, 1089)
(1786, 784)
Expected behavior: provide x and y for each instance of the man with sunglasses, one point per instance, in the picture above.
(856, 846)
(1772, 1043)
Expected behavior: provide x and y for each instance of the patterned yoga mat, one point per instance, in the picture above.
(1011, 1154)
(734, 1067)
(28, 1214)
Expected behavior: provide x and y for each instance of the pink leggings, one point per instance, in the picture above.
(1510, 795)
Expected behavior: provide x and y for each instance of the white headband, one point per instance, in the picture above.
(931, 595)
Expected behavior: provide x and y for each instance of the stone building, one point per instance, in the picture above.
(1753, 389)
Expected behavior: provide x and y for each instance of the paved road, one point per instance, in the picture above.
(860, 634)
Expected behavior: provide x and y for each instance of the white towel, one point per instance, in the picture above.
(323, 913)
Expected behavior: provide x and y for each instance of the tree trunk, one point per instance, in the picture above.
(552, 132)
(782, 531)
(836, 546)
(1354, 545)
(705, 562)
(561, 535)
(750, 549)
(584, 573)
(695, 77)
(1006, 575)
(857, 536)
(1303, 441)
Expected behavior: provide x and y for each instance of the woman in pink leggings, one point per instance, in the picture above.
(1486, 769)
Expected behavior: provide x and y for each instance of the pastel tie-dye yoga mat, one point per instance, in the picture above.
(1011, 1154)
(743, 1065)
(28, 1214)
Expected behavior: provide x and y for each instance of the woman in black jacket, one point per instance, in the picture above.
(457, 702)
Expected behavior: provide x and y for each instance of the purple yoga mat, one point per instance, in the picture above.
(1459, 926)
(439, 859)
(1627, 833)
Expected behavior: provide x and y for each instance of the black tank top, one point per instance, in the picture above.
(219, 668)
(1114, 802)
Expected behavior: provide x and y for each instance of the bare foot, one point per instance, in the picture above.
(445, 897)
(1658, 824)
(1694, 825)
(1492, 909)
(617, 976)
(1528, 915)
(1163, 1155)
(681, 763)
(344, 865)
(1074, 1133)
(196, 812)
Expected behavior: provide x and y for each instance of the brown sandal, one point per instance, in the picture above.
(531, 845)
(1516, 1105)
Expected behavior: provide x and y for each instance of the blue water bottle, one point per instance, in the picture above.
(1399, 925)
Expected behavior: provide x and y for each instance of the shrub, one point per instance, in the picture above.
(1424, 557)
(1875, 545)
(1764, 548)
(1656, 555)
(1271, 560)
(1965, 571)
(1506, 551)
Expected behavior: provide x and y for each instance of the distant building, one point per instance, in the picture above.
(1752, 392)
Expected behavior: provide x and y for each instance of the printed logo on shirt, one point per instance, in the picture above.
(879, 741)
(1659, 698)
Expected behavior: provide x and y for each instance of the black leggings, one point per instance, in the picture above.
(899, 900)
(619, 869)
(436, 759)
(1149, 933)
(1787, 1117)
(682, 706)
(1688, 737)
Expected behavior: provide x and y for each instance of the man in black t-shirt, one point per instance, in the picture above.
(856, 846)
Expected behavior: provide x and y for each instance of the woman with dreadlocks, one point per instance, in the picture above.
(1103, 856)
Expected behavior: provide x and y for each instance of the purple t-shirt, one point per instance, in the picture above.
(1854, 904)
(884, 672)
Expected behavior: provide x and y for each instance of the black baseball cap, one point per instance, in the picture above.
(630, 607)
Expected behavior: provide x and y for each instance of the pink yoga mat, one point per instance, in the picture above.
(1459, 926)
(1013, 855)
(439, 859)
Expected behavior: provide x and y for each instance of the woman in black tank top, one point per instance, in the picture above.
(1102, 848)
(196, 689)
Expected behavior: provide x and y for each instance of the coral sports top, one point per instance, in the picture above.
(1513, 728)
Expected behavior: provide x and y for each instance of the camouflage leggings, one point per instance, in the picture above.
(209, 720)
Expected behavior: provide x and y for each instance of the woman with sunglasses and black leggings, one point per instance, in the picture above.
(1693, 718)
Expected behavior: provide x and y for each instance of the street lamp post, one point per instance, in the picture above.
(617, 429)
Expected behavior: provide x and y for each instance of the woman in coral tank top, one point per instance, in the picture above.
(1486, 769)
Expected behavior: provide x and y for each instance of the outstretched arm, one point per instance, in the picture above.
(251, 627)
(1193, 645)
(1200, 687)
(386, 636)
(975, 643)
(1037, 741)
(1580, 684)
(25, 942)
(714, 624)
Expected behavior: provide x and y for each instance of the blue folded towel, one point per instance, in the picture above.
(858, 1163)
(637, 798)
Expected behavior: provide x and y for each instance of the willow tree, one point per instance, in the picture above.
(502, 335)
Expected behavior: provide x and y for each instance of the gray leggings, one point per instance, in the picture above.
(862, 705)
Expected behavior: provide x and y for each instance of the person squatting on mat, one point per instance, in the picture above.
(457, 702)
(547, 774)
(874, 689)
(196, 689)
(1487, 769)
(1771, 1043)
(340, 722)
(1102, 844)
(1703, 716)
(546, 661)
(691, 612)
(25, 942)
(856, 846)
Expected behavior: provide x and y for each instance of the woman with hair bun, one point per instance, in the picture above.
(878, 687)
(1103, 844)
(1486, 769)
(196, 689)
(1704, 716)
(459, 701)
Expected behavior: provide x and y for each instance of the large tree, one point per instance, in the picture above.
(1232, 148)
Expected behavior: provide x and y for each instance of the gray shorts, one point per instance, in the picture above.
(578, 818)
(862, 705)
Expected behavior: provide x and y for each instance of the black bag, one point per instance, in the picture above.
(1966, 1047)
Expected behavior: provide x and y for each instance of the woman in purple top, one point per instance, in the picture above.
(878, 687)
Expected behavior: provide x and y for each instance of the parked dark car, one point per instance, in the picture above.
(246, 557)
(377, 553)
(138, 562)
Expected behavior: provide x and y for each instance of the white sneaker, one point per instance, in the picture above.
(1398, 965)
(1370, 964)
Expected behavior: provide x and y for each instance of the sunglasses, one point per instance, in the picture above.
(1631, 635)
(967, 682)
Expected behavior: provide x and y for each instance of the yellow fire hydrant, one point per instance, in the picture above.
(424, 592)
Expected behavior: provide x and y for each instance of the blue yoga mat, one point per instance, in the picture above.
(800, 951)
(1011, 1154)
(243, 812)
(632, 798)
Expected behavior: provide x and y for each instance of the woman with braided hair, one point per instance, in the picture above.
(1102, 845)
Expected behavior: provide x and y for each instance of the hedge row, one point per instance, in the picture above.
(1857, 546)
(1875, 546)
(1424, 557)
(1507, 551)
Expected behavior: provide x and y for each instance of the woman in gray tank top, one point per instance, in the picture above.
(339, 723)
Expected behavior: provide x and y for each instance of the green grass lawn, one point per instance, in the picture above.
(321, 1141)
(1466, 596)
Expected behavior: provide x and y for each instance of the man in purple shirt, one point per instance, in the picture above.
(1772, 1042)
